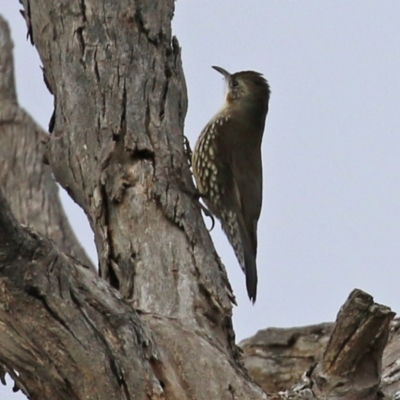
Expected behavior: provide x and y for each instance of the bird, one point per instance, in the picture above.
(227, 165)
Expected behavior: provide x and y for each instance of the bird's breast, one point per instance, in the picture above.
(205, 166)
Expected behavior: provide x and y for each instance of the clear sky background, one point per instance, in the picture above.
(331, 210)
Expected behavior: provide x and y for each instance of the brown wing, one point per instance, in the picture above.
(241, 151)
(241, 169)
(247, 170)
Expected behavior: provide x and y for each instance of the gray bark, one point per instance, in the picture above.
(156, 323)
(345, 360)
(25, 180)
(117, 148)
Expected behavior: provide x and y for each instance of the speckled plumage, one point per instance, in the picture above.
(227, 165)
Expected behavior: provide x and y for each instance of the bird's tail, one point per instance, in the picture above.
(240, 241)
(250, 271)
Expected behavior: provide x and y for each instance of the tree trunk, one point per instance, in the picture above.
(156, 323)
(117, 148)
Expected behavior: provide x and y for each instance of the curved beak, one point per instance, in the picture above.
(222, 71)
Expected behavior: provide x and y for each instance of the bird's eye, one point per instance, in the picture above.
(235, 83)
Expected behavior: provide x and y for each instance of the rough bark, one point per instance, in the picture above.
(157, 323)
(391, 364)
(351, 366)
(333, 361)
(117, 147)
(25, 179)
(276, 358)
(62, 328)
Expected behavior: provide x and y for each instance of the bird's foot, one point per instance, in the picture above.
(195, 194)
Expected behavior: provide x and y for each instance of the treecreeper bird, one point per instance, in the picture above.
(227, 165)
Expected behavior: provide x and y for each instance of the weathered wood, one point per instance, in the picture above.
(65, 332)
(391, 363)
(158, 324)
(351, 366)
(117, 147)
(276, 358)
(330, 361)
(26, 181)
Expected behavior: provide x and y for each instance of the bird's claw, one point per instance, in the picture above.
(207, 213)
(188, 150)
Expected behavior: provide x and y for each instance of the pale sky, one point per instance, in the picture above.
(331, 152)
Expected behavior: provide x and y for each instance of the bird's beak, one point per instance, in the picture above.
(222, 71)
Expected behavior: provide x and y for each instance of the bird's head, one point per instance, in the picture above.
(245, 87)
